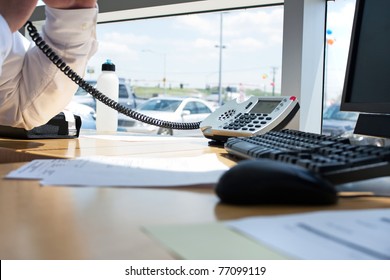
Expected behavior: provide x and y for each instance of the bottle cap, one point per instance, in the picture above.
(108, 66)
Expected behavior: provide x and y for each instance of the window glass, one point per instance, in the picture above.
(202, 109)
(123, 91)
(338, 35)
(163, 105)
(191, 106)
(183, 52)
(227, 55)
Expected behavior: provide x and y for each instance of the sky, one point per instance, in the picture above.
(339, 22)
(183, 48)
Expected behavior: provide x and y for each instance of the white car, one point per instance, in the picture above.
(174, 109)
(86, 113)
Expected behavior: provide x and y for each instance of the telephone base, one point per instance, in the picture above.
(59, 127)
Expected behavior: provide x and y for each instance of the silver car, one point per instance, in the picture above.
(174, 109)
(126, 96)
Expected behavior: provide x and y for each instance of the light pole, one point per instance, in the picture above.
(221, 47)
(273, 80)
(164, 55)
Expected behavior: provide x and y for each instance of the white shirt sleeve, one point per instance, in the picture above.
(33, 89)
(5, 41)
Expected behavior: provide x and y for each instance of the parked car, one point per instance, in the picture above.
(86, 113)
(126, 97)
(83, 97)
(342, 123)
(174, 109)
(336, 122)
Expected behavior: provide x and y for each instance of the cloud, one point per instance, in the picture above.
(261, 22)
(251, 37)
(340, 23)
(122, 49)
(264, 20)
(204, 43)
(198, 23)
(126, 38)
(242, 30)
(120, 45)
(247, 44)
(115, 48)
(340, 18)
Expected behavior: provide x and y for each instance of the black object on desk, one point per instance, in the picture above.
(61, 126)
(264, 181)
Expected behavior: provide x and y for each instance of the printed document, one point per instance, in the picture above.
(124, 171)
(332, 235)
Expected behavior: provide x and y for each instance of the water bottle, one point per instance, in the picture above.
(108, 84)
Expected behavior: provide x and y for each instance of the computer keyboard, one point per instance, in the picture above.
(334, 158)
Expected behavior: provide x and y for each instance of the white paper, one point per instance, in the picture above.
(124, 171)
(335, 235)
(141, 138)
(39, 169)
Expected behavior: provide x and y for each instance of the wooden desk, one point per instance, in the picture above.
(106, 223)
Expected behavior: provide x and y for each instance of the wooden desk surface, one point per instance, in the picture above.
(106, 223)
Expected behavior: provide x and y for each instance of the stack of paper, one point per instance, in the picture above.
(124, 171)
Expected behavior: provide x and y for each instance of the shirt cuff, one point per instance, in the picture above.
(66, 27)
(5, 39)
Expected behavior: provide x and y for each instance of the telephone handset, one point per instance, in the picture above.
(232, 119)
(257, 115)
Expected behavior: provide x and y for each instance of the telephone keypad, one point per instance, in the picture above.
(247, 121)
(226, 115)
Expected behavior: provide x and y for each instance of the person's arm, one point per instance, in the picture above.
(32, 89)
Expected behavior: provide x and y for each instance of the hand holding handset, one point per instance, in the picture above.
(257, 115)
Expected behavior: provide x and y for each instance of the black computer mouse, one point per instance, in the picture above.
(264, 181)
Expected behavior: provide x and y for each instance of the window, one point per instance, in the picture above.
(338, 34)
(161, 105)
(202, 109)
(197, 108)
(191, 106)
(194, 55)
(239, 51)
(123, 91)
(139, 11)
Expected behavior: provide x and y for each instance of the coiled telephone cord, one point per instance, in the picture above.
(53, 57)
